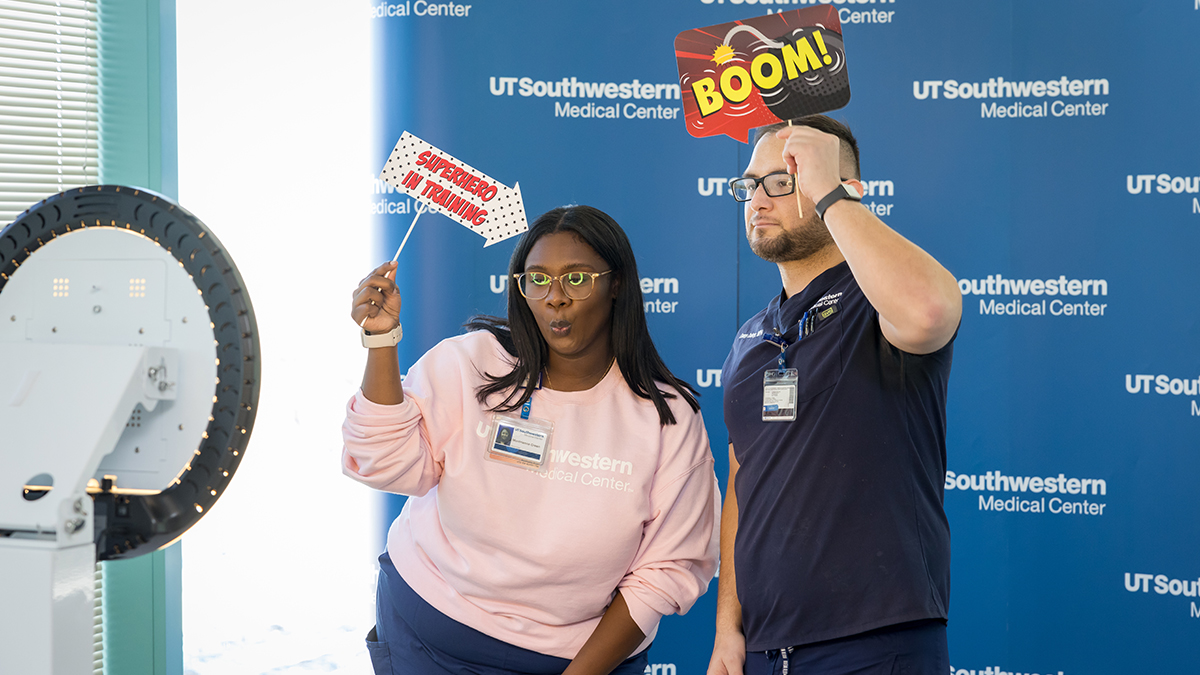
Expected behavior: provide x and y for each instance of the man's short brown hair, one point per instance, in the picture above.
(829, 126)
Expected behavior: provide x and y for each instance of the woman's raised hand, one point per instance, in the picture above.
(376, 305)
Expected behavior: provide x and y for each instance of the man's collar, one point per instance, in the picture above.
(815, 288)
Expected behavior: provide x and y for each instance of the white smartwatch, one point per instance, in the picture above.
(388, 339)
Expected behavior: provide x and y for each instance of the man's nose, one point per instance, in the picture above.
(760, 199)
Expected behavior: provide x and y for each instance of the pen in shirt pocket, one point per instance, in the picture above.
(813, 319)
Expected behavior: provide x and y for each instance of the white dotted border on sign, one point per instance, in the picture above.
(506, 212)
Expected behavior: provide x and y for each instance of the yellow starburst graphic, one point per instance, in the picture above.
(723, 54)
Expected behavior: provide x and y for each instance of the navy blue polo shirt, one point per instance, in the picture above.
(840, 521)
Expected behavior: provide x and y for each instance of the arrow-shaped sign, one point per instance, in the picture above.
(455, 189)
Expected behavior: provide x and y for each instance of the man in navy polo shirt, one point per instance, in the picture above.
(835, 549)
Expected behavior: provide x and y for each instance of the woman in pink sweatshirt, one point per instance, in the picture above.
(562, 490)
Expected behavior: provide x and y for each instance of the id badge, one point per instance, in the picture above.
(779, 395)
(522, 442)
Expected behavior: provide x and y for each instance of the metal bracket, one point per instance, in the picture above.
(161, 367)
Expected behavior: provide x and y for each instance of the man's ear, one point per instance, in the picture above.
(857, 186)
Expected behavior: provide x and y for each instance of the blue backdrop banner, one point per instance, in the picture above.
(1045, 153)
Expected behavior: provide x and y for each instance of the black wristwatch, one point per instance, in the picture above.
(843, 191)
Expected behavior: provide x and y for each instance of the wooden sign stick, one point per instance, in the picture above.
(799, 208)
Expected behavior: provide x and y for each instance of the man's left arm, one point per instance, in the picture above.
(918, 300)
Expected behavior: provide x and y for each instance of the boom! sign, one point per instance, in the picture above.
(746, 74)
(451, 187)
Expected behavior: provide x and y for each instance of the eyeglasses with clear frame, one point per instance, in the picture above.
(776, 184)
(576, 285)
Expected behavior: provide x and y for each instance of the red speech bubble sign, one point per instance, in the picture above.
(736, 76)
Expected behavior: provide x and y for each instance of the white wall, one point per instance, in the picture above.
(274, 108)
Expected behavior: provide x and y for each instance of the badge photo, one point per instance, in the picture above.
(519, 441)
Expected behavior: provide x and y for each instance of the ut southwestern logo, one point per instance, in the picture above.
(656, 286)
(998, 285)
(385, 9)
(1165, 385)
(1016, 486)
(563, 465)
(573, 87)
(1163, 184)
(999, 88)
(1161, 584)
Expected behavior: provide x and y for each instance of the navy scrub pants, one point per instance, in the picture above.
(411, 637)
(914, 648)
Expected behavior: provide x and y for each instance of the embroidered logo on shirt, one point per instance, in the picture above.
(831, 299)
(749, 336)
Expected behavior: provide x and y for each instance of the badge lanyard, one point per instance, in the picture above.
(521, 441)
(781, 383)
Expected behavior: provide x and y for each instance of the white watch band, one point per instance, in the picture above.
(388, 339)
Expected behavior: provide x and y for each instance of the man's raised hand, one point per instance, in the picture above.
(814, 157)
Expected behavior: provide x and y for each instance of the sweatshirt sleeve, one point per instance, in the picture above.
(402, 448)
(678, 554)
(385, 448)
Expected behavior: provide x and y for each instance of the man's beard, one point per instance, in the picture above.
(798, 244)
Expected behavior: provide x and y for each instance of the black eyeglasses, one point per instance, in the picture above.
(576, 285)
(776, 184)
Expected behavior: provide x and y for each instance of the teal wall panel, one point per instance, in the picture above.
(143, 617)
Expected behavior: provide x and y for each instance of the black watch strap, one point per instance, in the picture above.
(840, 192)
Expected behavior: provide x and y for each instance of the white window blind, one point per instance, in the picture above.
(48, 100)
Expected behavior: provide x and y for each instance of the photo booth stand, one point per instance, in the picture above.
(129, 379)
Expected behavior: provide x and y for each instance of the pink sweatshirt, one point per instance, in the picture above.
(533, 558)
